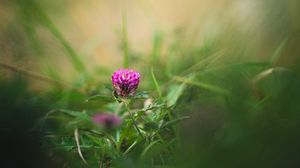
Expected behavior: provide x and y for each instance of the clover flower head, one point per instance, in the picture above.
(125, 82)
(107, 120)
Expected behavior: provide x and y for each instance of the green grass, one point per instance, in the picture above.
(208, 105)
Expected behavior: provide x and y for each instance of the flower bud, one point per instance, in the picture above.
(107, 120)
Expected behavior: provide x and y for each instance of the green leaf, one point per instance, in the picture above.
(100, 97)
(141, 95)
(174, 93)
(76, 114)
(108, 87)
(150, 126)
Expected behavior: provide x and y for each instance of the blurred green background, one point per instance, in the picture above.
(238, 61)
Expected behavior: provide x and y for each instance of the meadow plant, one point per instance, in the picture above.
(138, 127)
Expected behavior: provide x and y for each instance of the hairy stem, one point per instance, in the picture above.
(133, 120)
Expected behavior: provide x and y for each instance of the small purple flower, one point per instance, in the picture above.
(125, 82)
(107, 120)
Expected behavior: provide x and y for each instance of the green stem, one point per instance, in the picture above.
(133, 120)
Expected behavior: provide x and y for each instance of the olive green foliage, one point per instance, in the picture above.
(201, 105)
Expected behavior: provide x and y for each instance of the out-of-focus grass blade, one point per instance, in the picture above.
(71, 53)
(125, 42)
(202, 85)
(77, 114)
(30, 74)
(130, 147)
(277, 53)
(33, 11)
(99, 97)
(148, 147)
(155, 82)
(268, 72)
(174, 94)
(175, 121)
(157, 43)
(204, 63)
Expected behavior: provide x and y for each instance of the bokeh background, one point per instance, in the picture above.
(93, 28)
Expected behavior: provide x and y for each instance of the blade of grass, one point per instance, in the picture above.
(175, 121)
(76, 136)
(157, 43)
(32, 74)
(99, 97)
(130, 147)
(175, 91)
(277, 53)
(81, 115)
(36, 43)
(155, 82)
(125, 42)
(202, 85)
(34, 10)
(71, 53)
(267, 72)
(148, 147)
(199, 66)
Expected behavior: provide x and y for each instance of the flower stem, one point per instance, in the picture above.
(132, 118)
